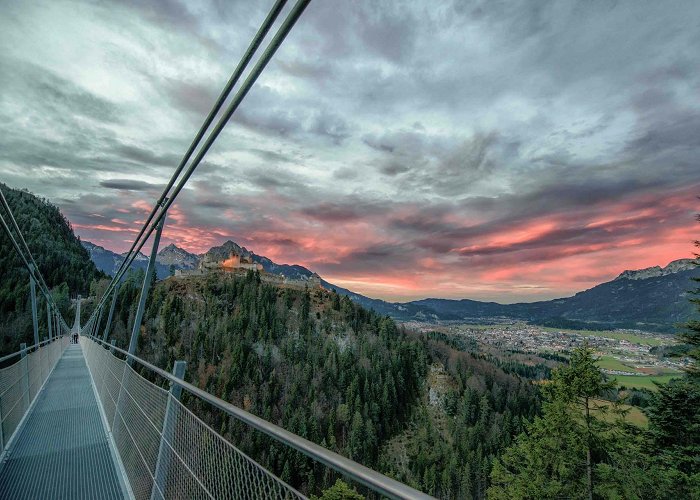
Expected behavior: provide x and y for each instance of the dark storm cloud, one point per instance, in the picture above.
(444, 165)
(145, 156)
(277, 121)
(674, 135)
(374, 259)
(353, 209)
(272, 156)
(330, 125)
(315, 70)
(127, 185)
(275, 179)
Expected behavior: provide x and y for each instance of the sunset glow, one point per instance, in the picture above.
(431, 152)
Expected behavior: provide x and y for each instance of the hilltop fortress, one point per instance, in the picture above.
(234, 261)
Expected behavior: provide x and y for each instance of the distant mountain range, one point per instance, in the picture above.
(172, 258)
(652, 299)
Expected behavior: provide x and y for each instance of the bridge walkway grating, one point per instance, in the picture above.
(63, 450)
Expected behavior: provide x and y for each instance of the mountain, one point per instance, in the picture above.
(656, 271)
(105, 260)
(109, 262)
(63, 263)
(225, 250)
(178, 257)
(323, 367)
(290, 271)
(651, 299)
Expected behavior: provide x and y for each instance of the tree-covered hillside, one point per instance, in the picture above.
(62, 260)
(325, 368)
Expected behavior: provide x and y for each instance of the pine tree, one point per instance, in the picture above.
(580, 383)
(691, 334)
(555, 457)
(339, 491)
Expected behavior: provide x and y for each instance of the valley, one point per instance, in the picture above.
(634, 359)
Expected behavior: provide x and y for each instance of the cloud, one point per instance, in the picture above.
(127, 185)
(145, 156)
(508, 151)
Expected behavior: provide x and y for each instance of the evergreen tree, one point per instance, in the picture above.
(691, 334)
(579, 384)
(339, 491)
(557, 455)
(62, 261)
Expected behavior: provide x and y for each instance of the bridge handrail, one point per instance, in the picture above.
(375, 481)
(30, 348)
(21, 382)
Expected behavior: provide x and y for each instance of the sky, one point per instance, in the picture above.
(492, 150)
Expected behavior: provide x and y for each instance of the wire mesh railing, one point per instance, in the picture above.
(21, 381)
(167, 451)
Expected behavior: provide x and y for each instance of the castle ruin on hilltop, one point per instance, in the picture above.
(236, 263)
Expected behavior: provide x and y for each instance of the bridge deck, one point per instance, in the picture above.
(63, 450)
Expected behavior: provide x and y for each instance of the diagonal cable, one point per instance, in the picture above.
(265, 58)
(23, 249)
(235, 76)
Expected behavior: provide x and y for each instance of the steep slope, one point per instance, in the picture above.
(654, 303)
(177, 257)
(290, 271)
(64, 263)
(331, 371)
(311, 361)
(656, 271)
(105, 260)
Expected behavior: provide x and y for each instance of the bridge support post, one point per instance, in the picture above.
(136, 330)
(111, 313)
(48, 320)
(163, 461)
(111, 349)
(2, 431)
(25, 376)
(32, 288)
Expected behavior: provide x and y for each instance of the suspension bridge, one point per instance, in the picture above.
(88, 419)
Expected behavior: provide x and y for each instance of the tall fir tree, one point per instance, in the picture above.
(557, 455)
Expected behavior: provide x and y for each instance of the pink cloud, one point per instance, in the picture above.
(405, 251)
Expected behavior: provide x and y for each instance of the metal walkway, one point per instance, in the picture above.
(63, 450)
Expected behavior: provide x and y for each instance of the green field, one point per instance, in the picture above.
(634, 415)
(630, 337)
(643, 382)
(610, 363)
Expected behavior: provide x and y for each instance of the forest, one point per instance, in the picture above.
(323, 367)
(62, 260)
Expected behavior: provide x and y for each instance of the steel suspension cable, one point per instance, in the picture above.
(235, 76)
(13, 221)
(265, 58)
(34, 271)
